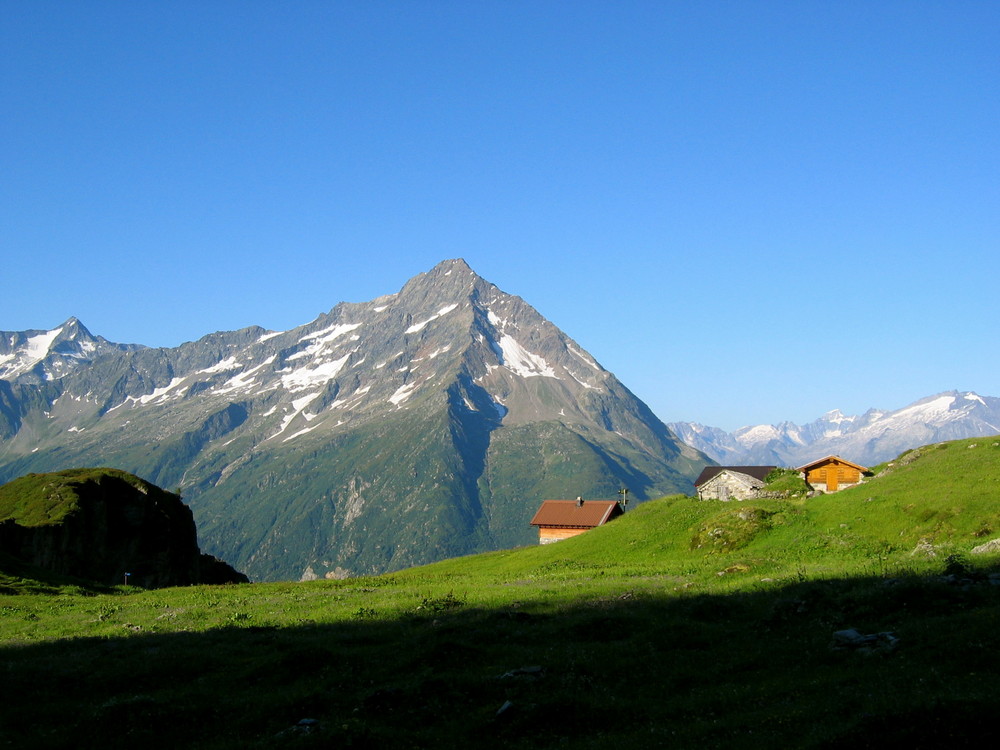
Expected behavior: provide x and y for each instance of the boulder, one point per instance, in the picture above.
(991, 546)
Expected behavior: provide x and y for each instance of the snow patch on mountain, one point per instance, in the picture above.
(244, 380)
(759, 434)
(936, 408)
(28, 354)
(310, 376)
(327, 335)
(520, 361)
(351, 401)
(157, 396)
(299, 406)
(226, 365)
(402, 394)
(38, 346)
(159, 393)
(301, 432)
(420, 326)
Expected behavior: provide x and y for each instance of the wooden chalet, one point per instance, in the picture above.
(832, 473)
(731, 482)
(561, 519)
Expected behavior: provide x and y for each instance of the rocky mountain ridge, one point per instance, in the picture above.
(873, 437)
(416, 426)
(37, 356)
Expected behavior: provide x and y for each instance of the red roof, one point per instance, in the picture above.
(577, 514)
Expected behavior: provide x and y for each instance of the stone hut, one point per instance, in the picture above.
(731, 482)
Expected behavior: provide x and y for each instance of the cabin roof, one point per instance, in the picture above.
(757, 472)
(837, 459)
(575, 514)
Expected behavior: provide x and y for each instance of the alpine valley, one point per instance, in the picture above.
(418, 426)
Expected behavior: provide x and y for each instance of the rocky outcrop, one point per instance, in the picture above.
(105, 526)
(991, 546)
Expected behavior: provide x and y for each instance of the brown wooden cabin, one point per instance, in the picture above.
(832, 473)
(561, 519)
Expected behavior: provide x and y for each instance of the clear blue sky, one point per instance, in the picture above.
(748, 211)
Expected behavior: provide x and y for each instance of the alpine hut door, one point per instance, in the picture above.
(831, 478)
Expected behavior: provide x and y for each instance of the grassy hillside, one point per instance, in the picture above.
(40, 499)
(682, 624)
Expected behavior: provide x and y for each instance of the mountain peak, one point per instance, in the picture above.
(451, 265)
(37, 355)
(446, 276)
(415, 426)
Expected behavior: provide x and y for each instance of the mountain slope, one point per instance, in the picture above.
(420, 425)
(870, 438)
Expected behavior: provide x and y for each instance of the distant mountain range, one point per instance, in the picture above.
(421, 425)
(868, 439)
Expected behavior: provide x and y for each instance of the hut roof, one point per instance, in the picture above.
(581, 514)
(837, 459)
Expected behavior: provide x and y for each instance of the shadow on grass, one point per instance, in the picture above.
(755, 669)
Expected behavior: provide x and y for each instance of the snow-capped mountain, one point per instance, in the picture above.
(37, 356)
(420, 425)
(873, 437)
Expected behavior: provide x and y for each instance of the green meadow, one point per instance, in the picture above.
(684, 623)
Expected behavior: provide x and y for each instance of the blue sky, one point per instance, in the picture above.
(748, 211)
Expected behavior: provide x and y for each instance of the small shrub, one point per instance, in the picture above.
(955, 565)
(441, 603)
(107, 611)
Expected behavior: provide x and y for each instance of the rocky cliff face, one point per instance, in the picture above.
(103, 525)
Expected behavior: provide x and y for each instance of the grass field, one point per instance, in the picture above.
(682, 624)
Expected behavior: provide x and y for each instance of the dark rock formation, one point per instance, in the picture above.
(104, 524)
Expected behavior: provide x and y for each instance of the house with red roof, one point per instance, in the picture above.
(561, 519)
